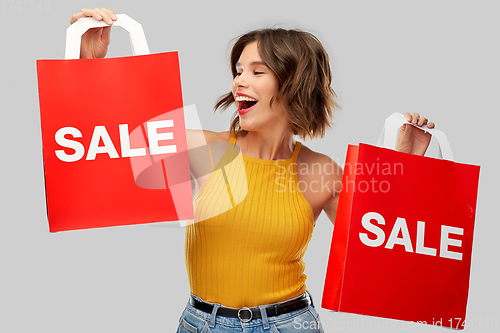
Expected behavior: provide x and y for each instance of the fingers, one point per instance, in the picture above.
(75, 17)
(417, 119)
(91, 13)
(110, 13)
(414, 118)
(100, 14)
(106, 16)
(422, 121)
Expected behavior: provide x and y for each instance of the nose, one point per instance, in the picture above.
(239, 81)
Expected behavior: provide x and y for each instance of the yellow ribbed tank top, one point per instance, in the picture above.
(251, 229)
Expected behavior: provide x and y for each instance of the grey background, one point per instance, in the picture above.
(439, 58)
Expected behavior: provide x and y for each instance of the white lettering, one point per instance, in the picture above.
(100, 132)
(445, 242)
(125, 143)
(401, 226)
(62, 141)
(296, 322)
(365, 221)
(154, 137)
(394, 239)
(420, 248)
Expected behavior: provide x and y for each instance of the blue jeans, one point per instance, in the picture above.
(196, 321)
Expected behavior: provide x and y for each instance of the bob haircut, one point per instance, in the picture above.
(302, 68)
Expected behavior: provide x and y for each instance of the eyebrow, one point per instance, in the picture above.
(255, 63)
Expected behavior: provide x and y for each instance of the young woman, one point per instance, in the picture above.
(244, 262)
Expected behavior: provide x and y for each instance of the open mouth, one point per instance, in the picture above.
(245, 103)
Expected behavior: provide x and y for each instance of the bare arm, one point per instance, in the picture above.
(204, 151)
(330, 208)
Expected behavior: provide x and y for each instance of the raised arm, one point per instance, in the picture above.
(96, 40)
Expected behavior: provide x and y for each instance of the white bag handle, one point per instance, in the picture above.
(76, 30)
(391, 129)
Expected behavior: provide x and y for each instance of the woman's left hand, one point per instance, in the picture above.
(412, 140)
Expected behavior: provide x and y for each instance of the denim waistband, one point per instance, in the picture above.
(212, 318)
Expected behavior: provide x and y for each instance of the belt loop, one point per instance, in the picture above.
(211, 322)
(310, 296)
(263, 314)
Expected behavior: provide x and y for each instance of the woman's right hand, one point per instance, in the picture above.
(96, 40)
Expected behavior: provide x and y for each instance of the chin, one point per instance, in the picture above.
(245, 125)
(257, 124)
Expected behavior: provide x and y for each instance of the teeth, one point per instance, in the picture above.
(244, 98)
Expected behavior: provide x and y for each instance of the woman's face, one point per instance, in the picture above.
(253, 87)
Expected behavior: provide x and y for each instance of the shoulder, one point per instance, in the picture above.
(312, 163)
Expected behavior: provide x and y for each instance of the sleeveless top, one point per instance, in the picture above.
(251, 229)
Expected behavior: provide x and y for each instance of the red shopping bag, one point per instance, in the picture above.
(110, 130)
(402, 241)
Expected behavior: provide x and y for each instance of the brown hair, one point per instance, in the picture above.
(302, 68)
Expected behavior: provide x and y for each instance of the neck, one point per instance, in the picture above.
(275, 145)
